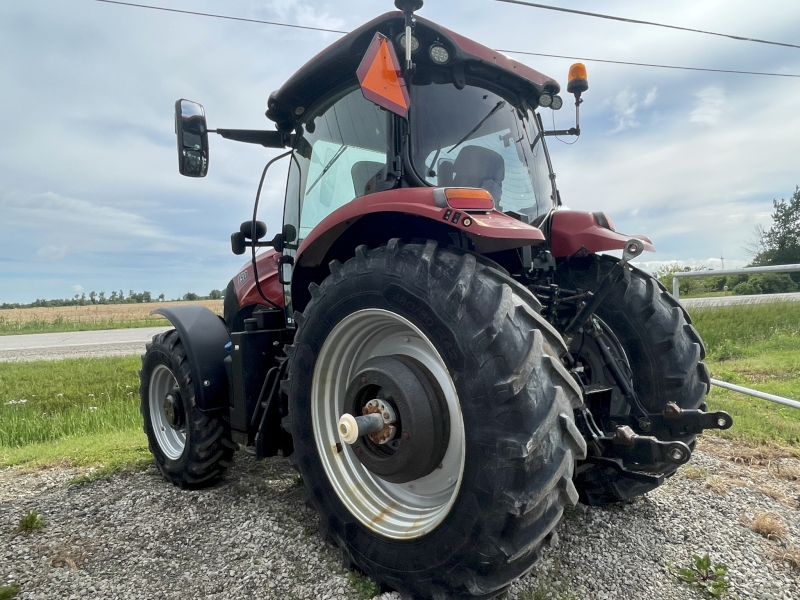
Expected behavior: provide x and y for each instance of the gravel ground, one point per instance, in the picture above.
(134, 536)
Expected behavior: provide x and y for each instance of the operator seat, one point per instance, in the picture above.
(479, 167)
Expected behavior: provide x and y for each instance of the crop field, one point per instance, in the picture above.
(89, 317)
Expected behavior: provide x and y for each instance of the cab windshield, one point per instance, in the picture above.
(472, 137)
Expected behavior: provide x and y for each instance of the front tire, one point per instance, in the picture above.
(654, 341)
(191, 448)
(471, 521)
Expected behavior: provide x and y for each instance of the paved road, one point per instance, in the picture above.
(121, 342)
(75, 344)
(733, 300)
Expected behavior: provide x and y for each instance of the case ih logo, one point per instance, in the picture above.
(240, 279)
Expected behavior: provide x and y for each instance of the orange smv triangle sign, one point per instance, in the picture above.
(380, 77)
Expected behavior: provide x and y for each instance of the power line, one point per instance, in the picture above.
(191, 12)
(278, 24)
(636, 64)
(624, 20)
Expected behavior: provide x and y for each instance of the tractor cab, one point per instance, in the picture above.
(461, 116)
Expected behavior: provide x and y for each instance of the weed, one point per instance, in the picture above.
(693, 472)
(777, 494)
(108, 470)
(30, 522)
(788, 469)
(363, 585)
(9, 591)
(789, 555)
(298, 481)
(711, 579)
(768, 524)
(717, 485)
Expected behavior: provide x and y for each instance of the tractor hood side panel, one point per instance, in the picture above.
(573, 231)
(244, 283)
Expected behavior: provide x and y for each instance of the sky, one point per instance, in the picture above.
(91, 198)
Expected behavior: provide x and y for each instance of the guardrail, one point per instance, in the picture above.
(756, 393)
(676, 290)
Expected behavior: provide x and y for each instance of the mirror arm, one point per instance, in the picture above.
(268, 139)
(576, 131)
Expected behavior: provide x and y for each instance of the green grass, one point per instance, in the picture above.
(112, 451)
(9, 591)
(75, 412)
(756, 346)
(60, 324)
(737, 329)
(48, 400)
(30, 522)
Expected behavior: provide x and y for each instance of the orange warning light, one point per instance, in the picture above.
(469, 199)
(578, 82)
(381, 79)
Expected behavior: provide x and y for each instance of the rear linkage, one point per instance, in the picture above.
(627, 450)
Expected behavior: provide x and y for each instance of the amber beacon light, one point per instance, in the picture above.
(577, 81)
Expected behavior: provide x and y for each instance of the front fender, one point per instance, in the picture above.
(572, 232)
(204, 336)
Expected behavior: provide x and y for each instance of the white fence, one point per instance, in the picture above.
(747, 271)
(676, 291)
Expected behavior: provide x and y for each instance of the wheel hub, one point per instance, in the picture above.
(417, 429)
(173, 410)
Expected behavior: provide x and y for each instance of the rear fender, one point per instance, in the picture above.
(573, 232)
(409, 214)
(489, 231)
(204, 336)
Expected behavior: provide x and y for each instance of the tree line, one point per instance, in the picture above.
(115, 297)
(778, 245)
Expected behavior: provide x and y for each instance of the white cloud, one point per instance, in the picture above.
(626, 105)
(77, 288)
(51, 252)
(708, 106)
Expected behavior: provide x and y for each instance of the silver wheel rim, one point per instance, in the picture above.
(398, 511)
(171, 441)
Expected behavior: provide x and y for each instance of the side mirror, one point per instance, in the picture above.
(192, 132)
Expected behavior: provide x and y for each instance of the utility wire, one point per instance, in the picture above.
(624, 20)
(635, 64)
(615, 62)
(191, 12)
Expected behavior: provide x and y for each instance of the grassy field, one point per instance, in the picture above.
(756, 346)
(88, 318)
(85, 412)
(76, 412)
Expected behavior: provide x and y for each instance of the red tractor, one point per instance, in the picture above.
(441, 352)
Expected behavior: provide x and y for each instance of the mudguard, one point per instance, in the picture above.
(572, 231)
(204, 336)
(489, 231)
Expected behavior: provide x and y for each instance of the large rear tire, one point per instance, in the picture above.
(472, 520)
(191, 448)
(653, 339)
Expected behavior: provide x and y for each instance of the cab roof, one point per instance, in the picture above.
(337, 65)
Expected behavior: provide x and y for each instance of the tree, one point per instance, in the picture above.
(101, 298)
(93, 297)
(147, 296)
(191, 296)
(215, 295)
(161, 297)
(780, 244)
